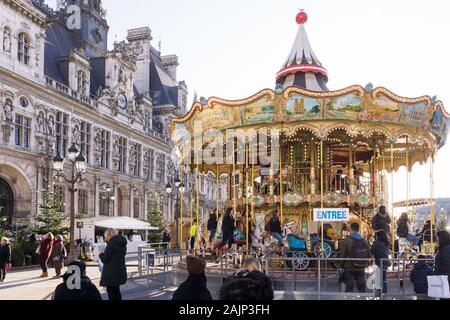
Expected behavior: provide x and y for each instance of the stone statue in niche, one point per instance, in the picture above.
(41, 123)
(98, 141)
(116, 149)
(76, 135)
(8, 109)
(6, 41)
(51, 126)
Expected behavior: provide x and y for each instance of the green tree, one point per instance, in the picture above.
(50, 219)
(155, 219)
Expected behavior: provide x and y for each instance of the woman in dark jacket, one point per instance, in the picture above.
(5, 257)
(380, 251)
(442, 259)
(114, 272)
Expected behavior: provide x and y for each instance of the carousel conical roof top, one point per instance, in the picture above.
(302, 67)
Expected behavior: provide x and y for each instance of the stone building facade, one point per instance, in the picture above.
(59, 86)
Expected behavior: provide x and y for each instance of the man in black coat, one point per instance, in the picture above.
(381, 221)
(228, 228)
(88, 290)
(114, 272)
(212, 226)
(194, 288)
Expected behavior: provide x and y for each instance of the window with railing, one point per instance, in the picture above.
(137, 207)
(81, 85)
(22, 131)
(85, 140)
(23, 48)
(60, 196)
(151, 168)
(62, 133)
(83, 198)
(122, 154)
(138, 163)
(105, 148)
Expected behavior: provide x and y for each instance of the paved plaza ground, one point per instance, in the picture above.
(26, 285)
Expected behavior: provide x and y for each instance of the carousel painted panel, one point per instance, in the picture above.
(344, 107)
(299, 107)
(259, 111)
(383, 109)
(217, 117)
(414, 114)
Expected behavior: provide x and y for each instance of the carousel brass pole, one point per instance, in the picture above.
(192, 199)
(181, 207)
(321, 192)
(217, 191)
(432, 213)
(198, 194)
(408, 186)
(383, 186)
(246, 199)
(234, 183)
(281, 186)
(253, 187)
(392, 198)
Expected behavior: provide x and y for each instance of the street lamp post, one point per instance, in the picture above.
(175, 193)
(78, 162)
(108, 195)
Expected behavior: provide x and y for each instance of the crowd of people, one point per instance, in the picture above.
(249, 283)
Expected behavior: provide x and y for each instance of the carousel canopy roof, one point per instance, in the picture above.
(302, 67)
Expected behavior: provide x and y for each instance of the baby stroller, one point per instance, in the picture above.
(299, 251)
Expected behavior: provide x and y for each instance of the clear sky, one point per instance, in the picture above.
(234, 48)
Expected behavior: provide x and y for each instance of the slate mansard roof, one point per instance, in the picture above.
(60, 41)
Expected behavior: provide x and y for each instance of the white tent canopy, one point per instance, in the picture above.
(124, 223)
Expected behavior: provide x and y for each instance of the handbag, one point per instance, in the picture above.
(438, 287)
(8, 267)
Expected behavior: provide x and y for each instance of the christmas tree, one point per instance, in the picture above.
(155, 219)
(50, 219)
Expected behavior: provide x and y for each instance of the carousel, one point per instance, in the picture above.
(303, 147)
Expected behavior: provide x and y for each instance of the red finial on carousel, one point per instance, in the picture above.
(302, 17)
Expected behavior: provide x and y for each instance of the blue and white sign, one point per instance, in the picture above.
(332, 215)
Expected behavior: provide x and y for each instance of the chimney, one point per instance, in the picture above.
(170, 63)
(141, 37)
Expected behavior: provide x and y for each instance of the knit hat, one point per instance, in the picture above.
(195, 266)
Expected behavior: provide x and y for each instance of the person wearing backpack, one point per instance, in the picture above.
(355, 247)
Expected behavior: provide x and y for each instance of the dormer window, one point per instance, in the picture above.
(82, 82)
(23, 48)
(156, 98)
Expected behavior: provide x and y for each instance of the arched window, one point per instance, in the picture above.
(82, 82)
(23, 48)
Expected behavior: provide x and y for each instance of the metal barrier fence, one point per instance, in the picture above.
(322, 278)
(323, 272)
